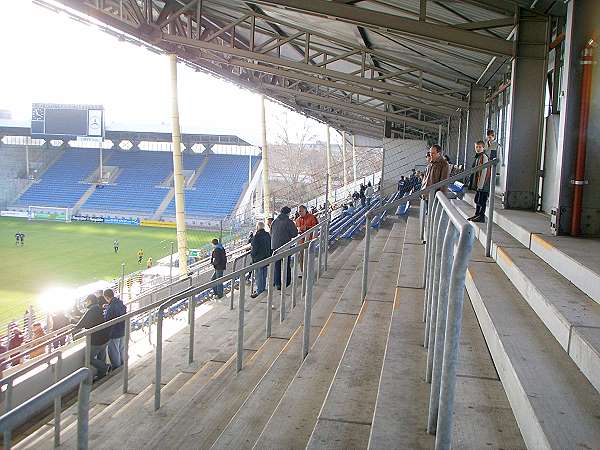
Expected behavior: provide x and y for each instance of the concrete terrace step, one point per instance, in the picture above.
(570, 315)
(577, 259)
(554, 404)
(247, 424)
(346, 416)
(294, 418)
(482, 416)
(204, 428)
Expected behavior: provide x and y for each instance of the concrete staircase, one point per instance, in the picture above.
(537, 301)
(361, 385)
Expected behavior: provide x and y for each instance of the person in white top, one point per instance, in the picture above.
(369, 192)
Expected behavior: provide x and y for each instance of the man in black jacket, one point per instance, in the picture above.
(261, 249)
(93, 317)
(283, 231)
(219, 262)
(116, 345)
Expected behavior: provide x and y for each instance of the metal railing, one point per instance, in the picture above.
(430, 192)
(450, 237)
(20, 414)
(449, 240)
(309, 250)
(8, 394)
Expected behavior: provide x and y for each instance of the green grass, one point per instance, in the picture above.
(72, 254)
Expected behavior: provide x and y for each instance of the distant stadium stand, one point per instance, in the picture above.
(61, 185)
(141, 183)
(218, 187)
(134, 189)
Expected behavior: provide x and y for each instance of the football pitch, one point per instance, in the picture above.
(59, 254)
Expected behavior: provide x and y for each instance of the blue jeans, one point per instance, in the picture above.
(98, 359)
(115, 351)
(261, 280)
(218, 289)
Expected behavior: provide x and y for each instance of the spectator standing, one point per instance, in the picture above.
(59, 321)
(91, 318)
(356, 198)
(363, 198)
(438, 169)
(369, 192)
(218, 260)
(269, 224)
(304, 223)
(38, 332)
(116, 335)
(260, 249)
(481, 182)
(283, 231)
(491, 145)
(15, 341)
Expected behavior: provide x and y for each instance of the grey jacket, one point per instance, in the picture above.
(283, 230)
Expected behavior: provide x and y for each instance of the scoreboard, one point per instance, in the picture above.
(52, 119)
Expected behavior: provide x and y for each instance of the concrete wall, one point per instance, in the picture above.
(399, 157)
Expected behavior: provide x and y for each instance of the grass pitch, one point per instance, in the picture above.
(59, 254)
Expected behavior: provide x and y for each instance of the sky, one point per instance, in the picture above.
(54, 58)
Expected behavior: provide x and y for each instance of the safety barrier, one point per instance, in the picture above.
(310, 250)
(20, 414)
(449, 241)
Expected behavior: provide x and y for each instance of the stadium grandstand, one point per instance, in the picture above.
(139, 183)
(448, 299)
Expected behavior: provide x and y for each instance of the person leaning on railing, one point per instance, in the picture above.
(304, 223)
(93, 317)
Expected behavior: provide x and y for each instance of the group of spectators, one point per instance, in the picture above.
(439, 168)
(267, 238)
(100, 309)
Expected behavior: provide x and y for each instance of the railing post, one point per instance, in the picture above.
(430, 214)
(456, 294)
(441, 229)
(326, 239)
(270, 281)
(57, 400)
(233, 285)
(437, 212)
(422, 204)
(158, 360)
(284, 267)
(83, 413)
(192, 325)
(88, 354)
(365, 273)
(126, 338)
(304, 271)
(295, 278)
(310, 261)
(436, 348)
(490, 218)
(320, 260)
(240, 331)
(7, 407)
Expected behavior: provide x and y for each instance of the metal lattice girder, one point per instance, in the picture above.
(331, 74)
(369, 18)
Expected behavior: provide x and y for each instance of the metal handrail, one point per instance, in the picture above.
(34, 405)
(210, 284)
(9, 382)
(450, 241)
(25, 348)
(418, 195)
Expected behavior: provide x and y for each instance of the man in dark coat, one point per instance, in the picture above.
(219, 262)
(283, 230)
(94, 317)
(261, 249)
(116, 345)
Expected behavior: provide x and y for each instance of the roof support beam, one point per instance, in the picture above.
(352, 108)
(369, 18)
(333, 74)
